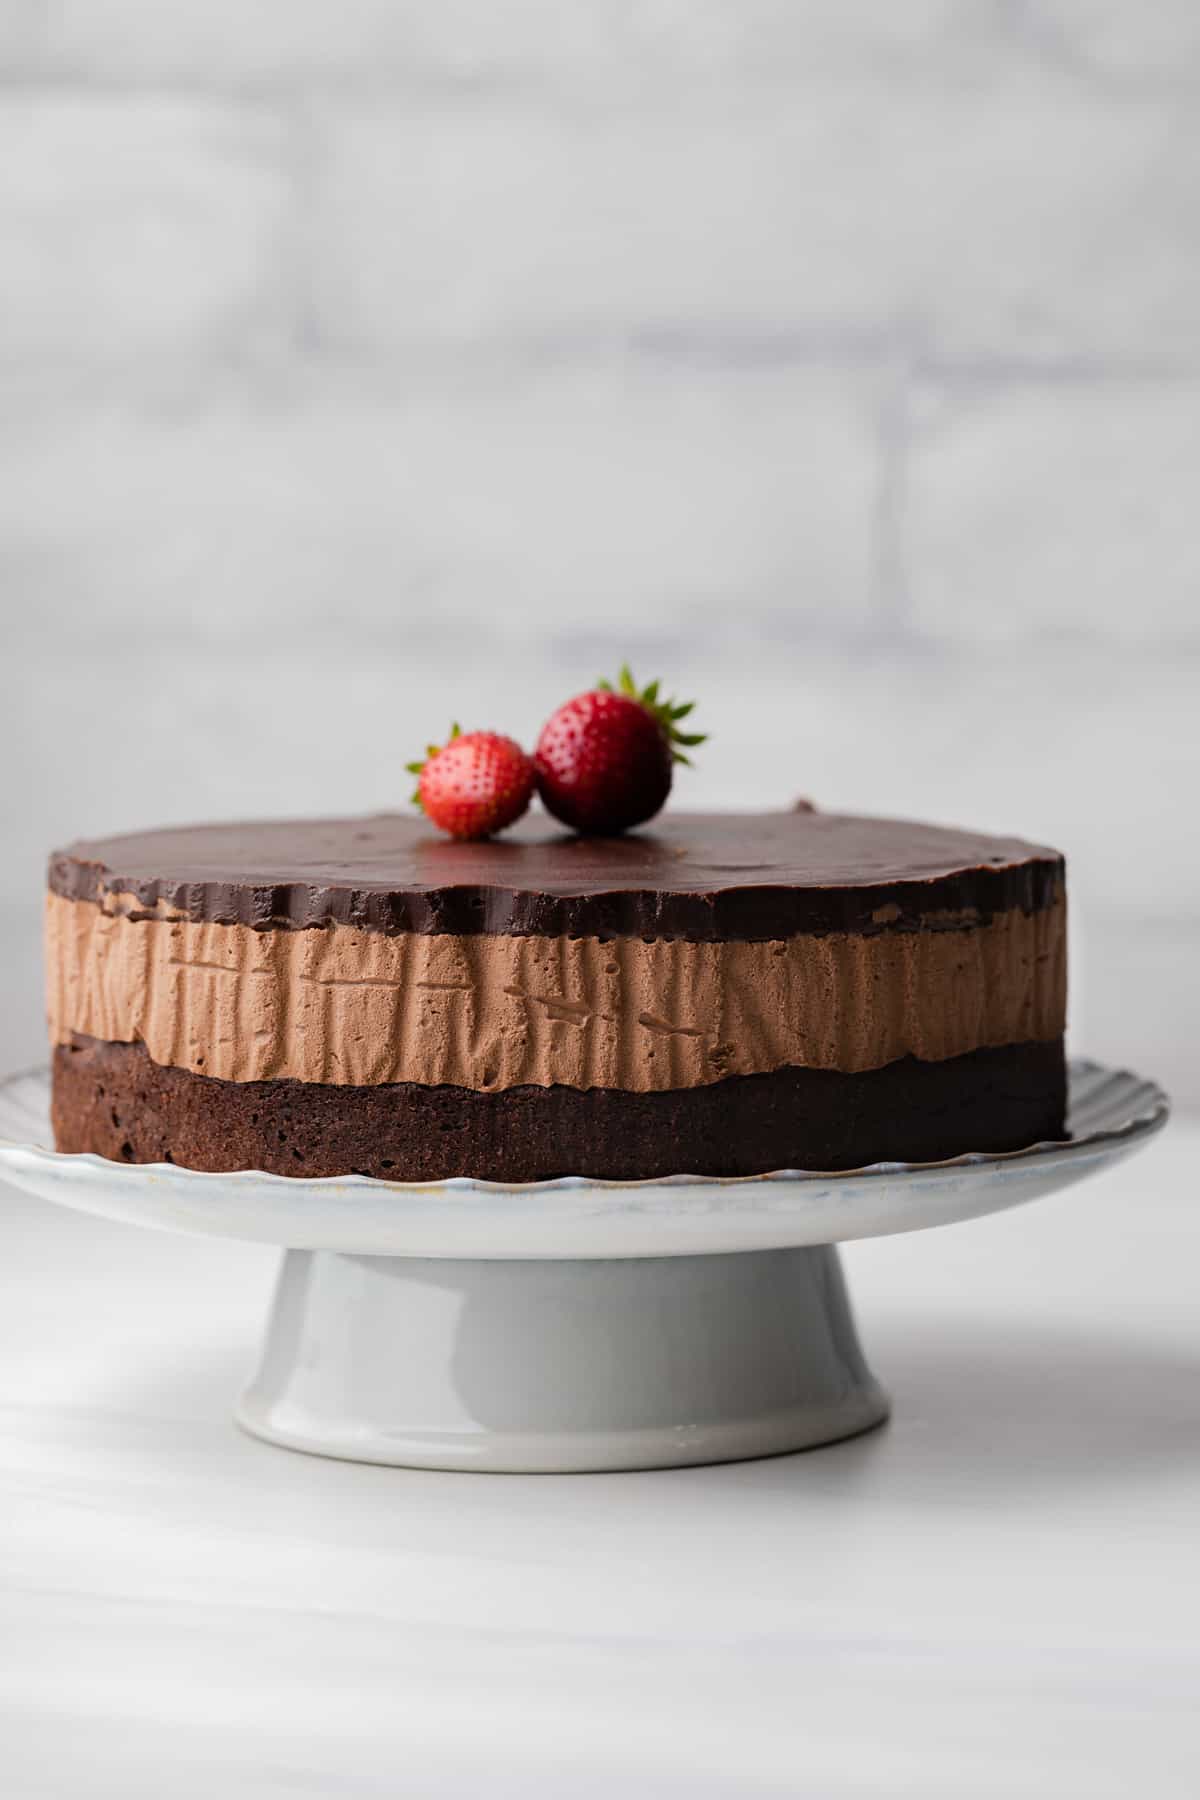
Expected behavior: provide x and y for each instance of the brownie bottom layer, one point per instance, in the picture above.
(113, 1100)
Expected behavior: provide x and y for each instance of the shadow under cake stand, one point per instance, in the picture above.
(570, 1324)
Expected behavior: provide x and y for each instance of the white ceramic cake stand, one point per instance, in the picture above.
(572, 1324)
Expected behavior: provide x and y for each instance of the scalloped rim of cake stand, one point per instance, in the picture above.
(1111, 1112)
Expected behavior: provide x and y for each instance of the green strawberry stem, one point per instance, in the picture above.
(431, 750)
(666, 712)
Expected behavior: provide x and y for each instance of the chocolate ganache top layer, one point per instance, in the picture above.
(702, 876)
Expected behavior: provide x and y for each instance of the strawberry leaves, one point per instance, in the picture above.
(667, 712)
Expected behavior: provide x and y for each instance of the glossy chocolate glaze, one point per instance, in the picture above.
(703, 876)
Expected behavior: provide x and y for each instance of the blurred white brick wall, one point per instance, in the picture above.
(137, 226)
(369, 365)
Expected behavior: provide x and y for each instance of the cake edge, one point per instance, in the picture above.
(113, 1101)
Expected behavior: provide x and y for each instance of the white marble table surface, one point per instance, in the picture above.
(996, 1595)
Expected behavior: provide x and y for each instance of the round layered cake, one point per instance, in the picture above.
(719, 994)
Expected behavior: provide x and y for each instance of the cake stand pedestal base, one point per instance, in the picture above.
(626, 1363)
(568, 1324)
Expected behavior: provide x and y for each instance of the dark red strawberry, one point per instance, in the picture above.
(604, 760)
(475, 784)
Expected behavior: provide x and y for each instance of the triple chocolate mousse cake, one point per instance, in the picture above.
(720, 994)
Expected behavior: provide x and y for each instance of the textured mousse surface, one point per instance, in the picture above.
(113, 1100)
(351, 1007)
(692, 875)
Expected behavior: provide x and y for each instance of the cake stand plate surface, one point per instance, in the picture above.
(568, 1324)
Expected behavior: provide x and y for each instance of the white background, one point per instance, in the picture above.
(369, 365)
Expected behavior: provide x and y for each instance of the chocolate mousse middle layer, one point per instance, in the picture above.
(767, 971)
